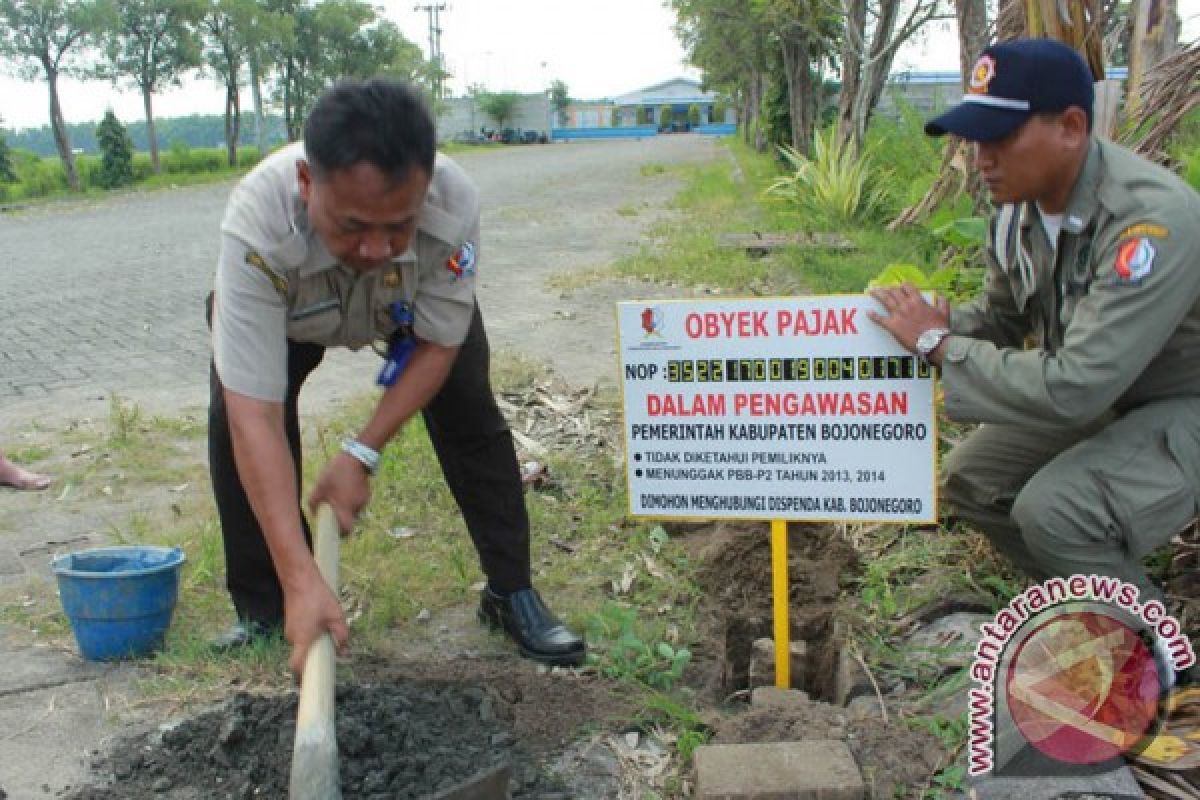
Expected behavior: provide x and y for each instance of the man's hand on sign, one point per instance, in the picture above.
(909, 315)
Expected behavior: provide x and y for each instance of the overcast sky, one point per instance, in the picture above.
(599, 49)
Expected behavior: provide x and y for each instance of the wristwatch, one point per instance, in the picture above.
(929, 340)
(367, 456)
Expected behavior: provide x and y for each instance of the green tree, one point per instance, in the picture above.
(500, 106)
(559, 99)
(731, 41)
(614, 118)
(694, 115)
(227, 26)
(664, 117)
(50, 38)
(116, 165)
(873, 34)
(7, 173)
(270, 23)
(643, 116)
(152, 45)
(807, 33)
(340, 39)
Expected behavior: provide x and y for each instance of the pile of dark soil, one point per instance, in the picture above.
(394, 742)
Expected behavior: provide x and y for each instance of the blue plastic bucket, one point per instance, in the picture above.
(119, 599)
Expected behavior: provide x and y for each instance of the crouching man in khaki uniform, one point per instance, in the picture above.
(360, 235)
(1089, 453)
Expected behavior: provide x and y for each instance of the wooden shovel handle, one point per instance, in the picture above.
(314, 756)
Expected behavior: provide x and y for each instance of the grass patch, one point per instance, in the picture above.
(411, 550)
(576, 279)
(133, 454)
(643, 627)
(728, 197)
(28, 455)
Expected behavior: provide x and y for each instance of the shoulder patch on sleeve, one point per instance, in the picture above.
(1135, 260)
(1145, 229)
(278, 281)
(462, 263)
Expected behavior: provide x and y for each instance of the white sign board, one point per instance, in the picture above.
(785, 408)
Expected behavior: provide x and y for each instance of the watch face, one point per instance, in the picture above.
(928, 341)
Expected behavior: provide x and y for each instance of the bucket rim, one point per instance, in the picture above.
(174, 558)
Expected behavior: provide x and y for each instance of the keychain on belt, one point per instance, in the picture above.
(401, 344)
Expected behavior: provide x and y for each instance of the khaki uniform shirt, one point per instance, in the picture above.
(276, 281)
(1114, 309)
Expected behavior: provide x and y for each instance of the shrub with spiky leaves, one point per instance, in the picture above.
(834, 186)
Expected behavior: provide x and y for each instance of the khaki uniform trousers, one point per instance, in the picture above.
(1090, 500)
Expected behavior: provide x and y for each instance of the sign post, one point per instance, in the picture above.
(774, 409)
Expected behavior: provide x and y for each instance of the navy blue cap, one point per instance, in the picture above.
(1011, 82)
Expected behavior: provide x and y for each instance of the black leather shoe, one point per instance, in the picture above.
(537, 633)
(243, 634)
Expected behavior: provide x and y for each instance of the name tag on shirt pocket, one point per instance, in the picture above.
(314, 309)
(316, 322)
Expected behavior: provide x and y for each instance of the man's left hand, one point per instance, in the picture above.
(908, 313)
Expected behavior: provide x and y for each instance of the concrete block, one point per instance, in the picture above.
(762, 663)
(781, 699)
(810, 770)
(951, 638)
(850, 679)
(864, 707)
(1118, 784)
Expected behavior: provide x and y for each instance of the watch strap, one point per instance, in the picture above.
(361, 453)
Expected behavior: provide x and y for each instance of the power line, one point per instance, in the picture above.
(435, 45)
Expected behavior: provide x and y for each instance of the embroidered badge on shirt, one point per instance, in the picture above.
(1145, 229)
(981, 76)
(259, 263)
(392, 279)
(462, 263)
(1135, 258)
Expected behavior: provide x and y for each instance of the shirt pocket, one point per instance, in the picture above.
(315, 313)
(391, 288)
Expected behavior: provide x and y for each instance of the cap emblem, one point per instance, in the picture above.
(981, 75)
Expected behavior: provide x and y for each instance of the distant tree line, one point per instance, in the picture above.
(282, 53)
(195, 130)
(783, 61)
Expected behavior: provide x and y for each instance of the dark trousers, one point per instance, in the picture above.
(473, 445)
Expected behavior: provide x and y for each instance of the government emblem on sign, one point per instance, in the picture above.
(652, 321)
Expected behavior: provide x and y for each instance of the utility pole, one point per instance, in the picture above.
(435, 45)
